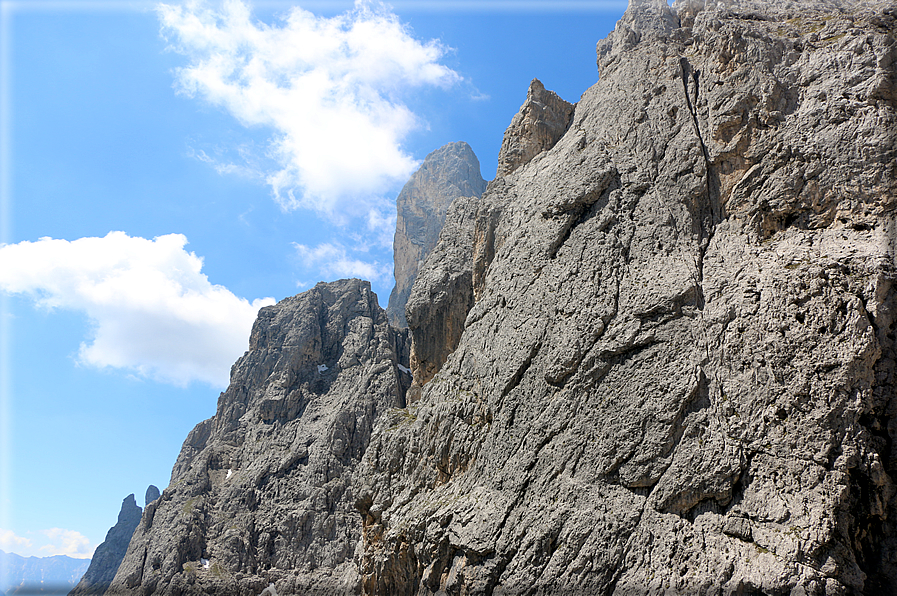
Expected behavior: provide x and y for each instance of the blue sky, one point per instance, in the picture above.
(168, 169)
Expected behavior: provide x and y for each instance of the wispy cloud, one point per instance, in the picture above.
(333, 260)
(12, 543)
(67, 542)
(330, 89)
(153, 310)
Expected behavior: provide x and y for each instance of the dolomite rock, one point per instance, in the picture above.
(542, 120)
(262, 493)
(443, 294)
(676, 375)
(450, 172)
(152, 493)
(108, 555)
(657, 356)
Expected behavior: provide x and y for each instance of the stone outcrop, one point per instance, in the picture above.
(542, 120)
(656, 357)
(440, 300)
(450, 172)
(152, 493)
(108, 555)
(263, 493)
(677, 372)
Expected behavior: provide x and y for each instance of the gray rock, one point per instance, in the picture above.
(450, 172)
(657, 356)
(263, 493)
(443, 294)
(152, 493)
(677, 372)
(108, 555)
(542, 120)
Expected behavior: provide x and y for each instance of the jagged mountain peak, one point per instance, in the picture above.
(447, 173)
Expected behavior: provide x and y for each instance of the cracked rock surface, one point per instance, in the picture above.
(263, 492)
(657, 356)
(676, 372)
(450, 172)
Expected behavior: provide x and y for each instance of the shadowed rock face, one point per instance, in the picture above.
(108, 555)
(676, 373)
(263, 491)
(449, 172)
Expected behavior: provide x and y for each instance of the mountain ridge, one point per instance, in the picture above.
(657, 356)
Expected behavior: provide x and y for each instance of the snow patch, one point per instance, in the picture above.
(404, 369)
(205, 563)
(229, 474)
(322, 368)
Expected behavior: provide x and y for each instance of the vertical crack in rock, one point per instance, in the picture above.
(690, 77)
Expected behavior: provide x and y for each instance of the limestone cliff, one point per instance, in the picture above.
(676, 375)
(108, 555)
(657, 356)
(450, 172)
(263, 492)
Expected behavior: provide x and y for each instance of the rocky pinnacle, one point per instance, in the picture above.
(450, 172)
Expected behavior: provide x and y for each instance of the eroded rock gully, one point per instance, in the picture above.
(657, 356)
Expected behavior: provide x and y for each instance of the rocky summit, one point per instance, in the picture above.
(108, 556)
(450, 172)
(656, 357)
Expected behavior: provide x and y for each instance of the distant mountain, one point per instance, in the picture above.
(39, 575)
(450, 172)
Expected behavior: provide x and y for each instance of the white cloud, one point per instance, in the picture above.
(333, 260)
(12, 543)
(153, 310)
(67, 542)
(382, 222)
(330, 88)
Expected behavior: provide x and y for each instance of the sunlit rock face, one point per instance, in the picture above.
(450, 172)
(676, 372)
(263, 492)
(656, 357)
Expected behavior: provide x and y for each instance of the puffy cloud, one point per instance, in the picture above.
(153, 310)
(330, 88)
(333, 260)
(67, 542)
(12, 543)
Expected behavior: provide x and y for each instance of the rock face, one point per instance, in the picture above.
(152, 493)
(439, 302)
(542, 120)
(263, 493)
(449, 172)
(676, 375)
(108, 555)
(657, 356)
